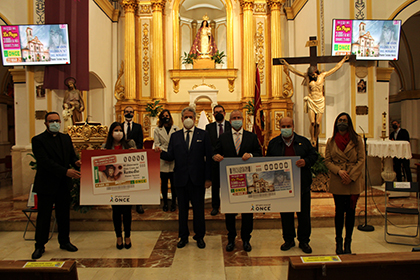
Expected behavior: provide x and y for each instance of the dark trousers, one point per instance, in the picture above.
(246, 226)
(125, 212)
(43, 220)
(397, 168)
(344, 204)
(304, 221)
(195, 194)
(164, 178)
(215, 186)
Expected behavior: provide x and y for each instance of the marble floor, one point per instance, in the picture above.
(154, 254)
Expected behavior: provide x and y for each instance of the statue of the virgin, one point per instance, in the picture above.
(204, 45)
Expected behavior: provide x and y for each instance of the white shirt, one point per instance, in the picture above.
(218, 127)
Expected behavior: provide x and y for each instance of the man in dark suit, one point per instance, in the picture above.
(54, 153)
(238, 142)
(215, 129)
(191, 149)
(400, 134)
(133, 131)
(288, 143)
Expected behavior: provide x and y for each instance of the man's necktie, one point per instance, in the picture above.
(187, 140)
(128, 130)
(237, 142)
(220, 129)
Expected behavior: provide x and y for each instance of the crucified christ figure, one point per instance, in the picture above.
(315, 101)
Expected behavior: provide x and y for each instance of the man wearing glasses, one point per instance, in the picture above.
(54, 153)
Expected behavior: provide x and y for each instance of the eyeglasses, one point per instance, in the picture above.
(53, 121)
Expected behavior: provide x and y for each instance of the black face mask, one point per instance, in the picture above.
(166, 120)
(394, 126)
(342, 126)
(128, 116)
(219, 117)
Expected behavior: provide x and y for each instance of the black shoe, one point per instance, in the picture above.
(173, 207)
(139, 209)
(127, 246)
(182, 243)
(165, 208)
(339, 246)
(287, 245)
(247, 246)
(68, 247)
(230, 246)
(305, 247)
(201, 244)
(347, 245)
(120, 246)
(38, 253)
(214, 212)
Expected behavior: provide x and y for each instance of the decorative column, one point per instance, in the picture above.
(158, 73)
(130, 7)
(248, 49)
(194, 31)
(276, 48)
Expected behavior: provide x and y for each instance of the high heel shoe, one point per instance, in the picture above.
(120, 246)
(127, 245)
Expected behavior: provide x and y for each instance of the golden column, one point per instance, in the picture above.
(158, 70)
(276, 49)
(130, 7)
(248, 49)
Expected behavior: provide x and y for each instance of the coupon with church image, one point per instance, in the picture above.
(120, 172)
(259, 184)
(260, 181)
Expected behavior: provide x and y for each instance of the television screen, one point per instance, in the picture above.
(367, 39)
(35, 44)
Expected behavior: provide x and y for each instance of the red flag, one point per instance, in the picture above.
(76, 15)
(258, 111)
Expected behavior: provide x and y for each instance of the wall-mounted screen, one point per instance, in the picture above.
(367, 39)
(46, 44)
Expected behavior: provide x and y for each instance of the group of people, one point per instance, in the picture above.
(185, 162)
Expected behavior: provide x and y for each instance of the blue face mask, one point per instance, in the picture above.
(286, 132)
(54, 127)
(236, 124)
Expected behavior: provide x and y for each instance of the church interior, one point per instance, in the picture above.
(170, 54)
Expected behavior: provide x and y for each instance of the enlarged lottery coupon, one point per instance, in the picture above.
(120, 172)
(260, 181)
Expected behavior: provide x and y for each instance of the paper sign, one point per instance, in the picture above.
(402, 185)
(43, 264)
(320, 259)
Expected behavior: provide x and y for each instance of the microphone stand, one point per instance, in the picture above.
(365, 226)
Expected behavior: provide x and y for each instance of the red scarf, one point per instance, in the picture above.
(342, 140)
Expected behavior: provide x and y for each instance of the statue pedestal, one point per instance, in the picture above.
(203, 63)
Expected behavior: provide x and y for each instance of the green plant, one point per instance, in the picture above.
(188, 58)
(250, 107)
(319, 167)
(153, 108)
(218, 57)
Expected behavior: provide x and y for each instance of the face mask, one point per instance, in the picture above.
(128, 116)
(219, 117)
(236, 124)
(394, 126)
(54, 127)
(286, 132)
(166, 120)
(188, 123)
(342, 126)
(118, 135)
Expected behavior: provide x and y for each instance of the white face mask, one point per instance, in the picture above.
(188, 123)
(118, 135)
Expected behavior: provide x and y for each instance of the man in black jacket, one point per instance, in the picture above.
(400, 134)
(291, 144)
(54, 153)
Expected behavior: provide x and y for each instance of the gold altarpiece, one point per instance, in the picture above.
(152, 34)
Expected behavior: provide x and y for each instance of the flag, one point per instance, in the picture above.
(76, 15)
(258, 111)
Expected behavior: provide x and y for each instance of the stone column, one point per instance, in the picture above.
(276, 48)
(130, 7)
(248, 76)
(158, 69)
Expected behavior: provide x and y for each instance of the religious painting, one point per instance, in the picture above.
(40, 91)
(361, 86)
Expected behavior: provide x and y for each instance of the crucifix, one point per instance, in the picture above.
(315, 101)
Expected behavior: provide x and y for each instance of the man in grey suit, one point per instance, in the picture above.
(215, 129)
(191, 150)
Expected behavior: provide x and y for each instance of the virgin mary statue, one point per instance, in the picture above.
(204, 45)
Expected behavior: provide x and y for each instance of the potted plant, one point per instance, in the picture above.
(218, 58)
(188, 59)
(153, 108)
(249, 107)
(320, 175)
